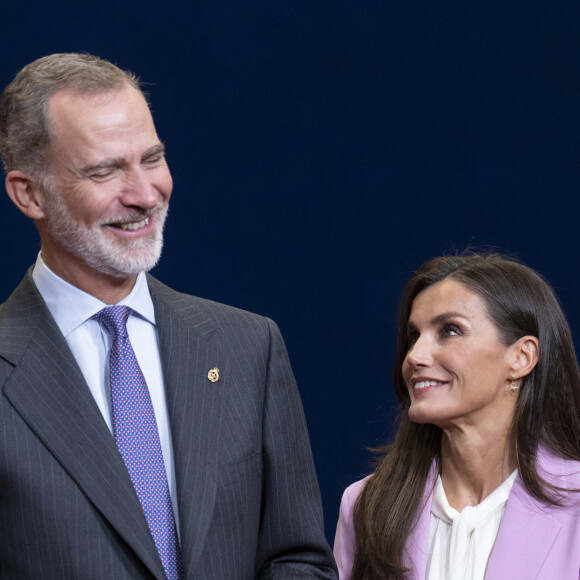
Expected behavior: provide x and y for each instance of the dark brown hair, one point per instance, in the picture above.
(520, 303)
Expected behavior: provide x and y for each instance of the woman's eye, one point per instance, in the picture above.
(450, 330)
(412, 338)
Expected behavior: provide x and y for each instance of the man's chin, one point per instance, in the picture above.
(124, 266)
(125, 270)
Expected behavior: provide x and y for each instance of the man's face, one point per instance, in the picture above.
(107, 187)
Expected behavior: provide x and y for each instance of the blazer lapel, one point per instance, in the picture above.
(526, 534)
(416, 546)
(194, 403)
(47, 389)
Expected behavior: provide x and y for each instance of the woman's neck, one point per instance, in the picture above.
(473, 465)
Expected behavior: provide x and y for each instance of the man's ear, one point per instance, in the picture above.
(26, 194)
(526, 352)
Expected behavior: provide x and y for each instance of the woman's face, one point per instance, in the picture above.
(456, 369)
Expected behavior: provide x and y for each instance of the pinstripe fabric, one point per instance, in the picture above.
(57, 458)
(247, 494)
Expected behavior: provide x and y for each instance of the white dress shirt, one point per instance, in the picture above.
(460, 543)
(72, 310)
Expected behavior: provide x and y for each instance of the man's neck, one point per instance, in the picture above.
(107, 289)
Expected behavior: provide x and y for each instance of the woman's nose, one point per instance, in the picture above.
(421, 352)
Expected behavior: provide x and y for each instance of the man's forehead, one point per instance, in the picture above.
(107, 110)
(87, 128)
(65, 99)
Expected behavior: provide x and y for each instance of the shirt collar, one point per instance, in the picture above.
(474, 515)
(71, 307)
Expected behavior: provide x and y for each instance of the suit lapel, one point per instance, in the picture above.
(526, 534)
(416, 546)
(47, 389)
(188, 351)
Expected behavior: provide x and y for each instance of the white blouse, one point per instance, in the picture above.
(460, 543)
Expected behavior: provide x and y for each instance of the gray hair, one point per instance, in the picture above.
(24, 108)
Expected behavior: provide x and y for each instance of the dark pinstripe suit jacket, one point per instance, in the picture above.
(248, 498)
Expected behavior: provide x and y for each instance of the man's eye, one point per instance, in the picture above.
(153, 160)
(101, 175)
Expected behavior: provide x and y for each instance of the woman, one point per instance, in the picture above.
(483, 477)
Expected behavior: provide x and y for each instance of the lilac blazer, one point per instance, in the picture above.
(535, 540)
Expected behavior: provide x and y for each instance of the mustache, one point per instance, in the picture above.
(136, 216)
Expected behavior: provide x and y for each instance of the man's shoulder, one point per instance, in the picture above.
(192, 307)
(24, 299)
(20, 316)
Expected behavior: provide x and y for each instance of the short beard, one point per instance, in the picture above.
(116, 258)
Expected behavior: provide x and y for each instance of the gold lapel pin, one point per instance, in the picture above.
(214, 375)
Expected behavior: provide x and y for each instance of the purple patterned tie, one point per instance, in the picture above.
(137, 438)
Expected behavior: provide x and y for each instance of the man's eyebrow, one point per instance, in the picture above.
(114, 162)
(158, 149)
(109, 163)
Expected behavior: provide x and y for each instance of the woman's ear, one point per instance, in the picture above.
(26, 194)
(526, 352)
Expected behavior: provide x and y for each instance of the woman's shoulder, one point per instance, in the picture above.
(344, 540)
(352, 492)
(557, 470)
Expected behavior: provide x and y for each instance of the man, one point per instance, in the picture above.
(173, 447)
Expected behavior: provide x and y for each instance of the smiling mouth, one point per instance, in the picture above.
(131, 226)
(135, 225)
(425, 384)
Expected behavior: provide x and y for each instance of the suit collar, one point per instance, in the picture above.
(525, 536)
(417, 543)
(47, 389)
(189, 349)
(529, 527)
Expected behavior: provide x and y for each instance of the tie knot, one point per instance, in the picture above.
(114, 319)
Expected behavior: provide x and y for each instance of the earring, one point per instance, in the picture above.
(513, 386)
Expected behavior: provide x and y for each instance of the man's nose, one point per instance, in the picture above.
(140, 191)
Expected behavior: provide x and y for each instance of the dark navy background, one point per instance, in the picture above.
(321, 150)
